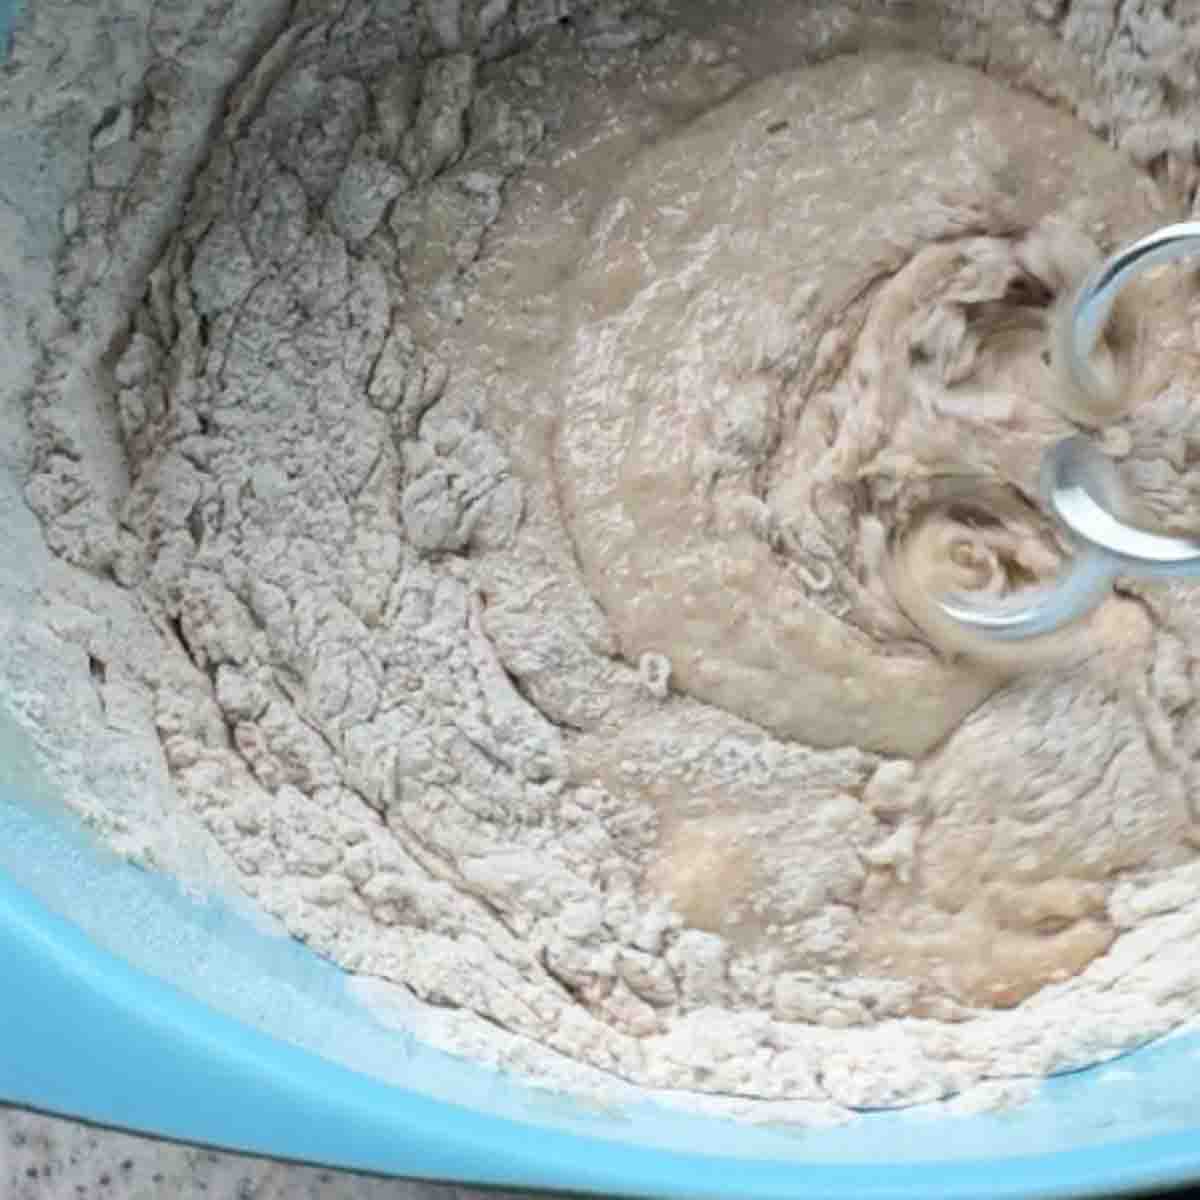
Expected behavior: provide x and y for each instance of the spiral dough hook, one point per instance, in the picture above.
(1079, 484)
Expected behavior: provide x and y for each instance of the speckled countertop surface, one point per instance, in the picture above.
(46, 1158)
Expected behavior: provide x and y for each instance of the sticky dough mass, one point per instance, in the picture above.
(796, 320)
(816, 319)
(547, 655)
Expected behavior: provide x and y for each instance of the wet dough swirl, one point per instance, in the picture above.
(797, 322)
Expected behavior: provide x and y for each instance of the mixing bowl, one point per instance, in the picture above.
(131, 1002)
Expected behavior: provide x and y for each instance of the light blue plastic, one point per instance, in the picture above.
(127, 1002)
(255, 1044)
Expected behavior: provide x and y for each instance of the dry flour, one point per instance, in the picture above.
(462, 434)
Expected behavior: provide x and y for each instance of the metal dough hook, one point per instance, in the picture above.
(1079, 484)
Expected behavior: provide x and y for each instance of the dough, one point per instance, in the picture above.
(803, 383)
(502, 513)
(792, 316)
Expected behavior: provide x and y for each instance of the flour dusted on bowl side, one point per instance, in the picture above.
(525, 450)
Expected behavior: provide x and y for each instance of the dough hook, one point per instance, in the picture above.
(1079, 484)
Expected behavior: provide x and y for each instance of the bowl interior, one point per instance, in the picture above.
(135, 1003)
